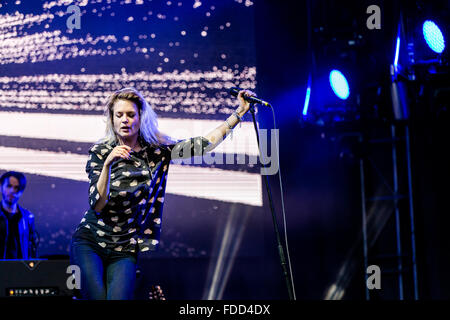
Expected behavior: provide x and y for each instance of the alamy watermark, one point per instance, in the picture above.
(74, 280)
(374, 280)
(374, 20)
(193, 151)
(74, 20)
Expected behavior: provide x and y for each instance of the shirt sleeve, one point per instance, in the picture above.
(188, 148)
(94, 167)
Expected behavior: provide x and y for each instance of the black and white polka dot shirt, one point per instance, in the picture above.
(131, 219)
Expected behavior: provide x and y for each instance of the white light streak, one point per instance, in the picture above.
(206, 183)
(90, 128)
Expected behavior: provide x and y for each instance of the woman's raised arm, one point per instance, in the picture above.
(216, 136)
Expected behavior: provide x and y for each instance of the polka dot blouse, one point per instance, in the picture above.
(131, 219)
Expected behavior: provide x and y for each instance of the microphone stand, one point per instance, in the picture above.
(286, 273)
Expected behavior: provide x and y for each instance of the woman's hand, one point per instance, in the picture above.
(244, 106)
(119, 152)
(216, 136)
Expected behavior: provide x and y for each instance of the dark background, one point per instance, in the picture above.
(320, 169)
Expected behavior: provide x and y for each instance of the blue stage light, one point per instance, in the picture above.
(397, 51)
(306, 105)
(339, 84)
(307, 97)
(433, 36)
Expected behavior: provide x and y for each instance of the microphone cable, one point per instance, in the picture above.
(282, 202)
(234, 91)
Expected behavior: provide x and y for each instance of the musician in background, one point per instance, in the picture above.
(17, 232)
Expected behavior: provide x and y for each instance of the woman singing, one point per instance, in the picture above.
(127, 173)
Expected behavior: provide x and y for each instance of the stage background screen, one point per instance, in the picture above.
(182, 55)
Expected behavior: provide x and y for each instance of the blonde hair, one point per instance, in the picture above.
(147, 117)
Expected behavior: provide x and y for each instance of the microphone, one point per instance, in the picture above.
(234, 91)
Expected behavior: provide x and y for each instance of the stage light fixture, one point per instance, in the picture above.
(307, 97)
(433, 36)
(339, 84)
(397, 51)
(328, 97)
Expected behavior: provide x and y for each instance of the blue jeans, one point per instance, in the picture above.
(105, 273)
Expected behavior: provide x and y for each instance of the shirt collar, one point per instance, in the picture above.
(141, 140)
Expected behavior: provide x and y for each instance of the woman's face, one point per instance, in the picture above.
(126, 119)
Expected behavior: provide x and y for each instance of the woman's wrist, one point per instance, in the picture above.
(235, 118)
(240, 111)
(229, 124)
(237, 115)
